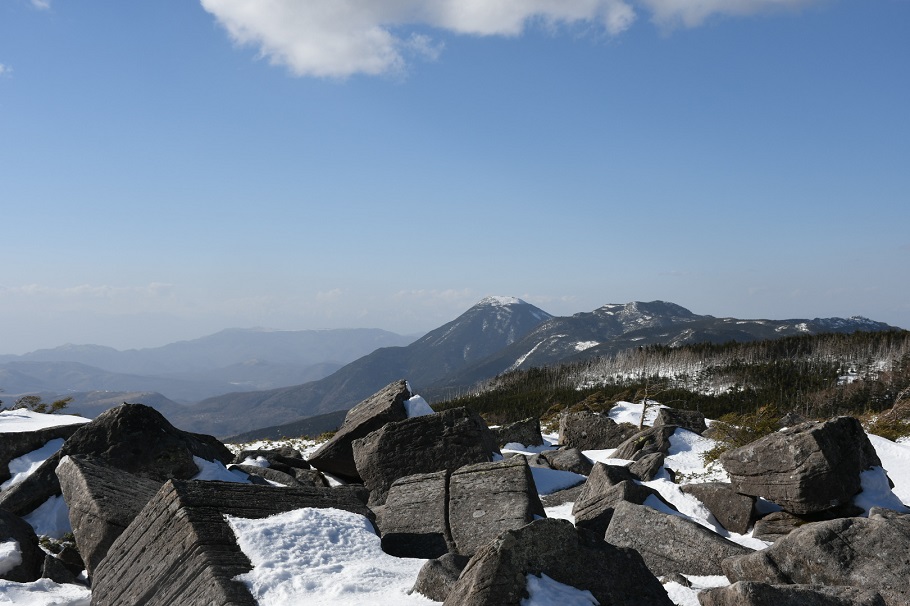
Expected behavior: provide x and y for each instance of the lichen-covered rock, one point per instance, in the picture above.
(595, 506)
(102, 502)
(336, 456)
(487, 499)
(763, 594)
(648, 467)
(567, 459)
(734, 511)
(670, 543)
(869, 553)
(445, 440)
(586, 430)
(497, 574)
(181, 550)
(807, 468)
(437, 577)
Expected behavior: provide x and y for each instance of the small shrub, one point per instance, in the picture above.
(734, 430)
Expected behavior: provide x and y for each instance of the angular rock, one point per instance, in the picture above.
(647, 467)
(586, 430)
(437, 577)
(15, 444)
(102, 502)
(526, 432)
(413, 520)
(561, 497)
(687, 419)
(487, 499)
(734, 511)
(284, 459)
(568, 459)
(55, 570)
(776, 525)
(131, 437)
(762, 594)
(180, 549)
(497, 574)
(670, 543)
(806, 468)
(867, 553)
(645, 442)
(337, 456)
(269, 473)
(14, 528)
(445, 440)
(595, 506)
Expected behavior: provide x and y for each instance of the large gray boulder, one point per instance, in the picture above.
(102, 502)
(734, 511)
(807, 468)
(437, 577)
(181, 550)
(15, 444)
(14, 528)
(526, 433)
(868, 553)
(648, 467)
(763, 594)
(646, 442)
(487, 499)
(336, 456)
(670, 543)
(444, 440)
(595, 506)
(781, 523)
(687, 419)
(565, 459)
(587, 430)
(497, 574)
(413, 522)
(131, 437)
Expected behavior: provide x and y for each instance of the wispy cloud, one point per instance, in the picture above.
(340, 38)
(5, 70)
(42, 4)
(87, 290)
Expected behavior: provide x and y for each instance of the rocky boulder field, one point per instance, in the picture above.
(407, 506)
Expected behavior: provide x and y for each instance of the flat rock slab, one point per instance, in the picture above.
(670, 543)
(687, 419)
(497, 574)
(487, 499)
(646, 442)
(180, 549)
(413, 521)
(869, 553)
(762, 594)
(568, 459)
(102, 502)
(442, 441)
(595, 506)
(807, 468)
(336, 456)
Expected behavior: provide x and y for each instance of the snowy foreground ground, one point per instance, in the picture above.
(332, 557)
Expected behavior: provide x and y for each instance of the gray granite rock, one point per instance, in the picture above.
(646, 442)
(586, 430)
(102, 502)
(595, 506)
(806, 468)
(269, 473)
(670, 543)
(15, 444)
(413, 522)
(437, 577)
(14, 528)
(734, 511)
(336, 456)
(648, 467)
(181, 550)
(487, 499)
(41, 485)
(687, 419)
(763, 594)
(444, 440)
(568, 459)
(867, 553)
(497, 574)
(526, 433)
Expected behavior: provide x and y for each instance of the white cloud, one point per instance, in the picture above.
(41, 4)
(339, 38)
(692, 13)
(5, 69)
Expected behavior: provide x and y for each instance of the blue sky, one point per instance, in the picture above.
(172, 168)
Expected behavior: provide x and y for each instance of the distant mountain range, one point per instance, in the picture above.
(189, 371)
(295, 381)
(495, 335)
